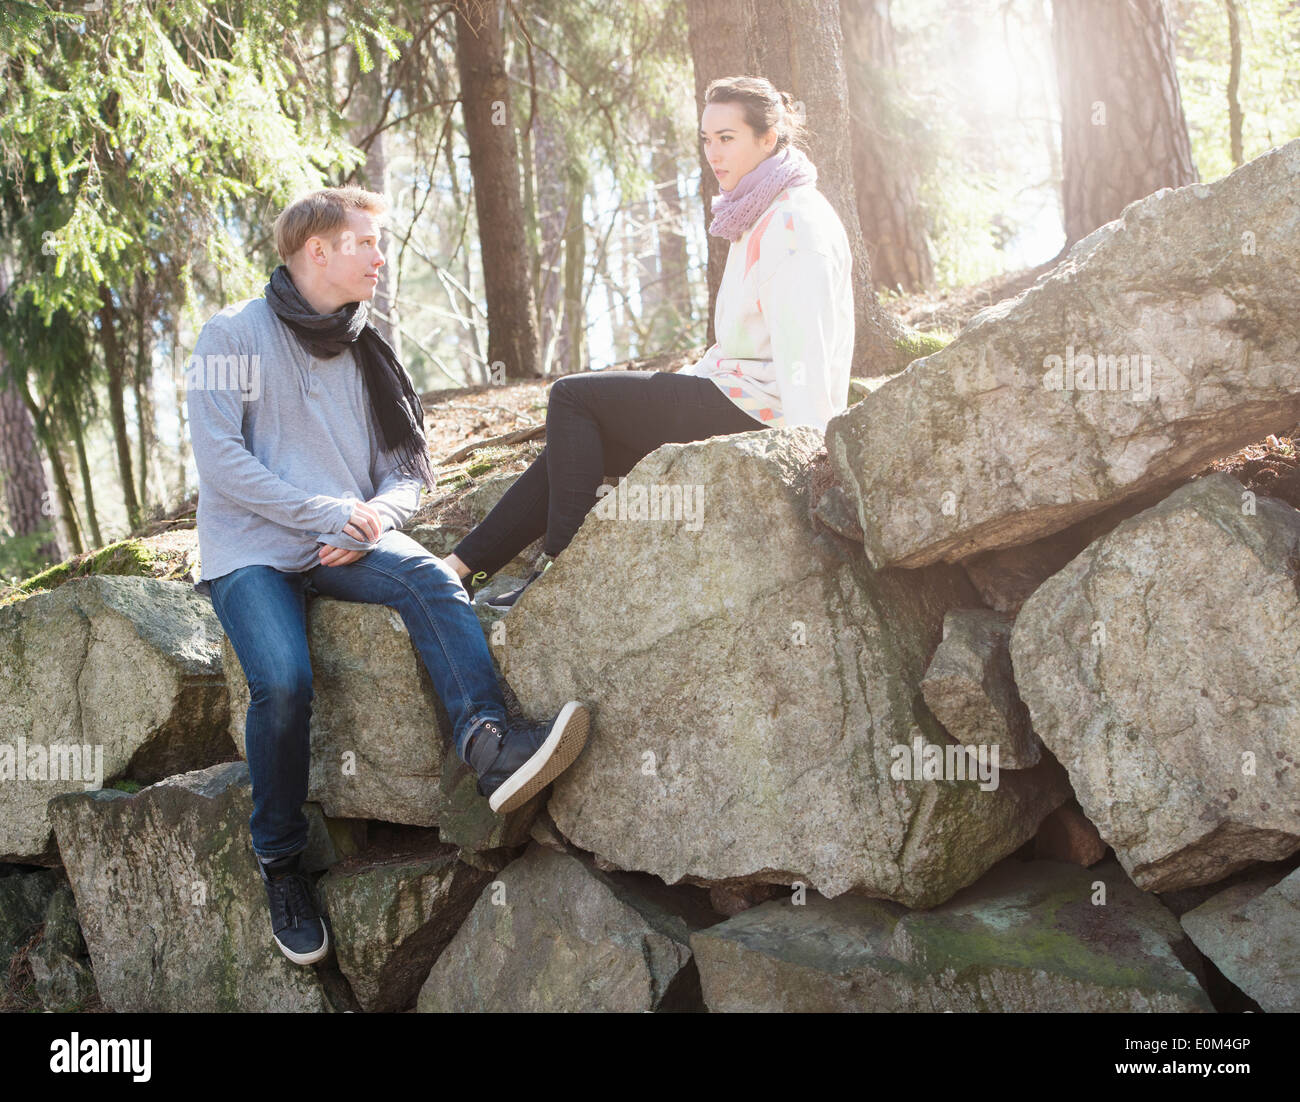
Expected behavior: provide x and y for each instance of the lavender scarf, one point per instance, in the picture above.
(736, 210)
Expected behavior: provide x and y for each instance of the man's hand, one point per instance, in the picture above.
(365, 523)
(338, 556)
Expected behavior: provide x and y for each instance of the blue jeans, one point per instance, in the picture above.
(264, 612)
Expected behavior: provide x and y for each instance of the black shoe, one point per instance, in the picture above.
(510, 596)
(296, 924)
(516, 764)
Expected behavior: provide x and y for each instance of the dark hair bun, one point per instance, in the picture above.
(764, 107)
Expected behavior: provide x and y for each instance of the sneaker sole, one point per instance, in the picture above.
(567, 737)
(307, 958)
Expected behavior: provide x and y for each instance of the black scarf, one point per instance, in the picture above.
(392, 396)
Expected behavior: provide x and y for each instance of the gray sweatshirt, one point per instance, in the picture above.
(285, 445)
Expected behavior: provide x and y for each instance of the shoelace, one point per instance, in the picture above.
(296, 898)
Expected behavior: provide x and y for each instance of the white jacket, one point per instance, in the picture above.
(784, 318)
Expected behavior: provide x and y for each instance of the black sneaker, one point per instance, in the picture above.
(516, 764)
(510, 596)
(296, 924)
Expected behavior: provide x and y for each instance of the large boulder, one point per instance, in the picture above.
(754, 688)
(1029, 937)
(554, 933)
(970, 688)
(1160, 668)
(378, 735)
(172, 906)
(392, 916)
(1252, 933)
(61, 969)
(1166, 339)
(24, 897)
(103, 678)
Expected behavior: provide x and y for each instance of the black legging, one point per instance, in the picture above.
(597, 424)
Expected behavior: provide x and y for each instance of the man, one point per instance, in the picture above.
(309, 442)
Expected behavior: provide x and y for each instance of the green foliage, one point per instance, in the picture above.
(966, 108)
(1269, 91)
(621, 66)
(916, 343)
(20, 556)
(160, 123)
(125, 557)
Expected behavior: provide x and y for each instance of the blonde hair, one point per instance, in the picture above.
(321, 214)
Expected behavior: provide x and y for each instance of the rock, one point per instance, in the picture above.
(380, 736)
(1005, 578)
(752, 684)
(24, 897)
(971, 691)
(464, 817)
(442, 539)
(542, 830)
(1252, 933)
(438, 539)
(100, 679)
(1181, 901)
(60, 963)
(1184, 305)
(553, 933)
(1027, 938)
(172, 907)
(483, 498)
(838, 512)
(731, 901)
(392, 917)
(1068, 835)
(377, 743)
(329, 841)
(1160, 669)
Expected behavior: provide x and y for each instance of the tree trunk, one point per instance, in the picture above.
(626, 346)
(117, 405)
(67, 503)
(668, 299)
(798, 46)
(142, 383)
(460, 204)
(717, 36)
(551, 209)
(893, 224)
(1123, 134)
(1234, 82)
(87, 488)
(24, 476)
(20, 461)
(572, 352)
(45, 434)
(494, 165)
(366, 109)
(182, 435)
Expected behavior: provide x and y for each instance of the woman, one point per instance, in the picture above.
(784, 324)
